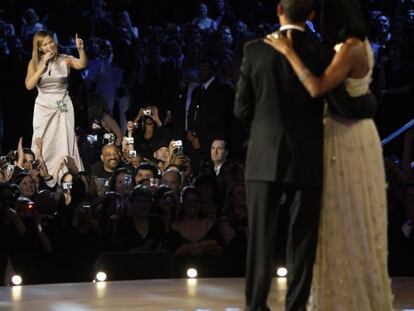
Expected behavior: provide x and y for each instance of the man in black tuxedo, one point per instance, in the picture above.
(285, 154)
(209, 110)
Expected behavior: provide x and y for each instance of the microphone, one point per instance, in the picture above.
(49, 60)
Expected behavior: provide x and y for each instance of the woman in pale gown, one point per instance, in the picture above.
(350, 271)
(53, 117)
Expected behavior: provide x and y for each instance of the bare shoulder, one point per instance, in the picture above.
(354, 44)
(350, 49)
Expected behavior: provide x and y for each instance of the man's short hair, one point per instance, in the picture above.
(149, 167)
(110, 145)
(297, 10)
(208, 61)
(220, 139)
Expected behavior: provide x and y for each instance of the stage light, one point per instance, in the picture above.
(192, 273)
(16, 280)
(100, 276)
(282, 272)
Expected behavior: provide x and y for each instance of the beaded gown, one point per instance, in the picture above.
(350, 271)
(53, 116)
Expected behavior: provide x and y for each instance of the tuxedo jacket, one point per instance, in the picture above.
(286, 130)
(209, 112)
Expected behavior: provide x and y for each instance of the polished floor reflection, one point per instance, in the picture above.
(176, 294)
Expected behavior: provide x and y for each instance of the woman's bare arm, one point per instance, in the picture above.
(82, 61)
(337, 71)
(33, 75)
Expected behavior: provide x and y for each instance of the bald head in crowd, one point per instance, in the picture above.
(172, 178)
(110, 156)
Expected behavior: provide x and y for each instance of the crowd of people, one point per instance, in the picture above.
(162, 156)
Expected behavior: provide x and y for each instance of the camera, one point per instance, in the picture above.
(147, 112)
(92, 138)
(153, 182)
(10, 169)
(67, 186)
(127, 180)
(108, 138)
(177, 148)
(132, 153)
(35, 165)
(129, 140)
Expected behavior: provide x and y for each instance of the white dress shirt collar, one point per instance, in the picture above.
(217, 169)
(207, 84)
(290, 26)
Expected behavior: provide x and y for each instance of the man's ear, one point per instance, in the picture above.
(311, 16)
(279, 10)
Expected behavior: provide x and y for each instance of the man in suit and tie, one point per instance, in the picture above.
(285, 154)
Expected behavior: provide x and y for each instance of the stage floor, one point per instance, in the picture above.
(174, 294)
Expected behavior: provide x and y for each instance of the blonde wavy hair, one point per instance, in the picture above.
(37, 42)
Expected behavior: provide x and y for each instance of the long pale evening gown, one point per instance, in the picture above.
(53, 117)
(350, 271)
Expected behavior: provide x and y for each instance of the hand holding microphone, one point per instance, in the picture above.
(47, 57)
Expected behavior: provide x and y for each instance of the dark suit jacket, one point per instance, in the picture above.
(209, 112)
(286, 133)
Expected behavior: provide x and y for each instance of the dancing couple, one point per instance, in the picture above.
(328, 163)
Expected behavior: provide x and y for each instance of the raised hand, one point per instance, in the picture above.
(79, 42)
(43, 169)
(155, 116)
(139, 116)
(48, 56)
(20, 153)
(71, 165)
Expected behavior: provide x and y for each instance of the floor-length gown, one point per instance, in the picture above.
(53, 117)
(350, 271)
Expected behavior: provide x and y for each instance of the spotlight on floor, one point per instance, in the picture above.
(192, 273)
(101, 276)
(282, 272)
(16, 280)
